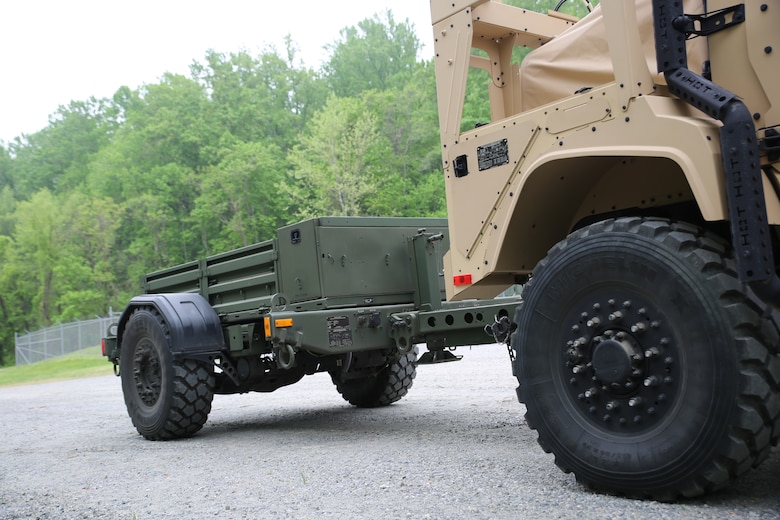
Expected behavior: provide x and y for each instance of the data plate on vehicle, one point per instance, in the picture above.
(339, 333)
(493, 154)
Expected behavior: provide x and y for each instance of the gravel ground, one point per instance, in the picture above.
(456, 447)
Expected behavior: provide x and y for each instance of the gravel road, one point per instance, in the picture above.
(456, 447)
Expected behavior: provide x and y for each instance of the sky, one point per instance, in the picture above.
(53, 52)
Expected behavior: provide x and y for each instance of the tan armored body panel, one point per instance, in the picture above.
(584, 127)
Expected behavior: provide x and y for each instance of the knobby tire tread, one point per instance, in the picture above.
(755, 329)
(192, 395)
(387, 387)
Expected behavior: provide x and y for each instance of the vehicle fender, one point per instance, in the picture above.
(193, 325)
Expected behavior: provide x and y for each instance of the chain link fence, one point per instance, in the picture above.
(61, 339)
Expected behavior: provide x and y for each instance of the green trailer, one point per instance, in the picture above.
(354, 297)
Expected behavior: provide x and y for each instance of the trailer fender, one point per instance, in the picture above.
(195, 329)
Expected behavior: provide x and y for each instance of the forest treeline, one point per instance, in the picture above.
(198, 164)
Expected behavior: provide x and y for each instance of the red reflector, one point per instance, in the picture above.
(103, 346)
(462, 279)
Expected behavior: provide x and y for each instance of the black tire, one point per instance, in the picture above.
(165, 398)
(645, 366)
(386, 387)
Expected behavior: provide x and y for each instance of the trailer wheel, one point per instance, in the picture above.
(645, 366)
(382, 389)
(165, 398)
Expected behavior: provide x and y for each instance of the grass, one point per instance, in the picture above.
(87, 362)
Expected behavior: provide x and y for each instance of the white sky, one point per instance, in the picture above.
(55, 51)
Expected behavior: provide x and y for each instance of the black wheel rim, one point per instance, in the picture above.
(147, 372)
(620, 362)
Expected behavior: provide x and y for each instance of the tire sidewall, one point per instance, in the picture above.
(144, 328)
(590, 263)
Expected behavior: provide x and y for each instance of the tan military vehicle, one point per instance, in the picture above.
(641, 208)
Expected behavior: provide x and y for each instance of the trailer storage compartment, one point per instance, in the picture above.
(328, 262)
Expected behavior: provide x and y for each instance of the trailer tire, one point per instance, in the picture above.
(645, 366)
(386, 387)
(166, 398)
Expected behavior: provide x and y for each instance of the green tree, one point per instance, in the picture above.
(240, 202)
(56, 157)
(258, 98)
(337, 166)
(158, 232)
(7, 208)
(173, 124)
(5, 166)
(36, 235)
(408, 118)
(14, 309)
(84, 276)
(371, 55)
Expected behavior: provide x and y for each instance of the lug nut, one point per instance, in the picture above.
(616, 316)
(613, 405)
(594, 322)
(591, 392)
(635, 402)
(651, 381)
(652, 352)
(638, 327)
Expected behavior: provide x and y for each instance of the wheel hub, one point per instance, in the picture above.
(147, 373)
(620, 362)
(613, 360)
